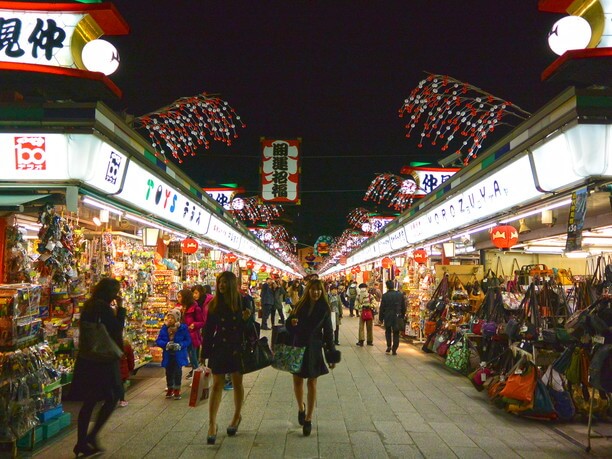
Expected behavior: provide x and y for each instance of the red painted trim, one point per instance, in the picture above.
(105, 14)
(61, 71)
(3, 225)
(554, 6)
(573, 55)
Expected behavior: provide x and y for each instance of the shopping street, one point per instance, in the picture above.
(373, 405)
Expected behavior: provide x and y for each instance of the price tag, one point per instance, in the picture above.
(483, 376)
(518, 371)
(599, 339)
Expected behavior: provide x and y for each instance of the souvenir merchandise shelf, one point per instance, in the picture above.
(417, 288)
(163, 298)
(20, 323)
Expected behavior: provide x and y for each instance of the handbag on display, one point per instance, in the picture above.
(255, 355)
(200, 386)
(96, 344)
(521, 383)
(430, 327)
(288, 358)
(458, 355)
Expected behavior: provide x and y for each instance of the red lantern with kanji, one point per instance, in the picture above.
(504, 236)
(250, 264)
(231, 258)
(387, 262)
(189, 246)
(357, 269)
(263, 269)
(420, 256)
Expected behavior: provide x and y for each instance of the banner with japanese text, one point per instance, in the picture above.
(280, 171)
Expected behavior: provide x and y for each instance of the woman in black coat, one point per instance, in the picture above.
(311, 327)
(95, 381)
(223, 335)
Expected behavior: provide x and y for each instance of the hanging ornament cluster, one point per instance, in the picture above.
(357, 217)
(253, 210)
(190, 123)
(56, 247)
(19, 266)
(348, 241)
(397, 191)
(450, 111)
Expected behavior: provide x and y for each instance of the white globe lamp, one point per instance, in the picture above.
(570, 32)
(100, 56)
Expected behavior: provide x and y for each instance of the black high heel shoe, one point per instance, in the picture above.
(93, 443)
(231, 430)
(84, 450)
(307, 428)
(211, 439)
(302, 415)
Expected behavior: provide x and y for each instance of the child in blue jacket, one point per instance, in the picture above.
(174, 339)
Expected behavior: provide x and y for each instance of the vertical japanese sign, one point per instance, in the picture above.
(280, 171)
(575, 220)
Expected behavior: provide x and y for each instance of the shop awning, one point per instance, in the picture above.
(16, 201)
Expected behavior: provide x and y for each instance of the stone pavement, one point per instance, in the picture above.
(372, 405)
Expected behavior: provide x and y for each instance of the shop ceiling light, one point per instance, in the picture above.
(150, 236)
(449, 249)
(97, 221)
(578, 254)
(543, 249)
(514, 218)
(99, 205)
(104, 215)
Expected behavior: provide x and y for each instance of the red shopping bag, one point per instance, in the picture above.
(200, 386)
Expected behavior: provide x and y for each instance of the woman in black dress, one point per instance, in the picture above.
(310, 325)
(94, 381)
(223, 335)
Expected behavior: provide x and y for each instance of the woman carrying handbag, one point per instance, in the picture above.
(97, 376)
(223, 340)
(310, 326)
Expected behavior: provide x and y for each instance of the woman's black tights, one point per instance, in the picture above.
(85, 417)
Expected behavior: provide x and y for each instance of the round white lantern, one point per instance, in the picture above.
(570, 32)
(100, 56)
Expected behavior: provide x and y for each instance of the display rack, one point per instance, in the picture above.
(163, 298)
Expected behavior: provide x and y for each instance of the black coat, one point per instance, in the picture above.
(313, 331)
(392, 305)
(99, 380)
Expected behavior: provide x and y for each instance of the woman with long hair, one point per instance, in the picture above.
(95, 381)
(223, 334)
(311, 327)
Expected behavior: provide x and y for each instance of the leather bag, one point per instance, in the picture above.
(255, 355)
(367, 314)
(521, 384)
(96, 344)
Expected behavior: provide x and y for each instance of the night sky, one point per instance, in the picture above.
(334, 73)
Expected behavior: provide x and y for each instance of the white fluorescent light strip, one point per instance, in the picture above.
(144, 222)
(537, 211)
(100, 205)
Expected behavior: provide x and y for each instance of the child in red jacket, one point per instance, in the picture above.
(126, 367)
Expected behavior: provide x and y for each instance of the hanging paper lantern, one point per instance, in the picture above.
(420, 256)
(397, 272)
(387, 262)
(263, 269)
(357, 269)
(504, 236)
(231, 258)
(250, 264)
(189, 246)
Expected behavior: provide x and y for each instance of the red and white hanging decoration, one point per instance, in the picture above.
(189, 123)
(253, 210)
(280, 171)
(451, 111)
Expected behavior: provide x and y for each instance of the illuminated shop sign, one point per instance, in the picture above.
(427, 179)
(41, 157)
(152, 195)
(223, 196)
(280, 171)
(501, 190)
(397, 239)
(223, 233)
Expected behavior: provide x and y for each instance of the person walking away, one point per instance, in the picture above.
(267, 303)
(351, 292)
(224, 332)
(195, 320)
(126, 369)
(310, 326)
(94, 381)
(392, 310)
(363, 306)
(279, 300)
(174, 339)
(335, 305)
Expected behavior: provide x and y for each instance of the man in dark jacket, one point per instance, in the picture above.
(392, 311)
(267, 303)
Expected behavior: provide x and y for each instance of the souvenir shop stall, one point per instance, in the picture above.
(66, 225)
(541, 244)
